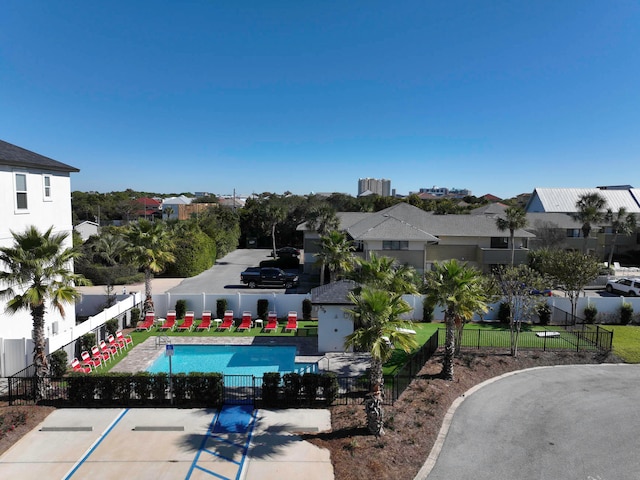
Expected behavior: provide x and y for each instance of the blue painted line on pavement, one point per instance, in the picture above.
(95, 444)
(202, 444)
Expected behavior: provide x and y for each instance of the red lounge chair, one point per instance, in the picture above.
(75, 365)
(292, 322)
(110, 349)
(187, 325)
(147, 323)
(114, 343)
(272, 322)
(169, 323)
(87, 361)
(227, 321)
(245, 324)
(96, 353)
(126, 341)
(205, 324)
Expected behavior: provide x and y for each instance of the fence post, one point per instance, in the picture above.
(479, 330)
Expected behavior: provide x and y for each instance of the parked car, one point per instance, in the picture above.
(287, 251)
(545, 292)
(268, 277)
(626, 286)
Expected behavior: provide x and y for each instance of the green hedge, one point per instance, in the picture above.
(195, 253)
(114, 275)
(293, 389)
(194, 389)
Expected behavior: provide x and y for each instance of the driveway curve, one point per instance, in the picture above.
(565, 422)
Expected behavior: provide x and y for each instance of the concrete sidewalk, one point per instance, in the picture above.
(169, 443)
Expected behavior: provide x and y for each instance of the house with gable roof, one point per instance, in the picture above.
(34, 190)
(550, 213)
(418, 238)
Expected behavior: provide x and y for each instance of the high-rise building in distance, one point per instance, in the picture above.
(378, 186)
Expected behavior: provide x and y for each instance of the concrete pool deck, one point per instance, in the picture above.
(141, 356)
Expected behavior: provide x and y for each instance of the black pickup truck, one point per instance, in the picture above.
(268, 277)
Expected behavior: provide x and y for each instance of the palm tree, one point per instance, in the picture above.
(622, 223)
(38, 271)
(461, 291)
(384, 273)
(150, 249)
(108, 248)
(590, 208)
(516, 218)
(167, 211)
(335, 253)
(378, 313)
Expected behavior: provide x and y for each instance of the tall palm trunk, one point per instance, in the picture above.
(613, 247)
(513, 247)
(148, 298)
(39, 351)
(449, 347)
(373, 402)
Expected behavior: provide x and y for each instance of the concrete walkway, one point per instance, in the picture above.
(170, 444)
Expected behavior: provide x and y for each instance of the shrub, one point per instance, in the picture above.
(181, 308)
(292, 388)
(544, 313)
(626, 312)
(195, 253)
(330, 387)
(58, 363)
(134, 316)
(590, 313)
(427, 311)
(221, 307)
(310, 384)
(263, 308)
(306, 309)
(504, 312)
(270, 386)
(87, 341)
(112, 326)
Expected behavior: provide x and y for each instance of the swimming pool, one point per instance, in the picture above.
(232, 360)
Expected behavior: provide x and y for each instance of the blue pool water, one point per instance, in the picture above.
(232, 360)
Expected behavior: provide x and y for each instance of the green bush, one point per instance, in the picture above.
(159, 388)
(310, 384)
(504, 312)
(112, 275)
(626, 312)
(544, 313)
(270, 387)
(427, 311)
(87, 341)
(134, 316)
(221, 307)
(307, 308)
(330, 387)
(181, 308)
(263, 308)
(111, 326)
(205, 389)
(195, 252)
(58, 363)
(292, 388)
(590, 313)
(142, 386)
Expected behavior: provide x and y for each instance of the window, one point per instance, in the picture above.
(21, 191)
(46, 188)
(499, 242)
(395, 245)
(573, 232)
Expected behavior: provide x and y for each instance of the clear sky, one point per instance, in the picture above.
(308, 96)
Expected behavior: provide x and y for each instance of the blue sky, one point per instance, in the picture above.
(308, 96)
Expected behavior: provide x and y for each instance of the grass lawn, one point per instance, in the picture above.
(626, 342)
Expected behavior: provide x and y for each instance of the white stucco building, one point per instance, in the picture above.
(34, 190)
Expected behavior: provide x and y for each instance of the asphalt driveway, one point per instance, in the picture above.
(564, 422)
(224, 276)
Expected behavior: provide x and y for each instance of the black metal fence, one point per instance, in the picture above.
(113, 389)
(583, 337)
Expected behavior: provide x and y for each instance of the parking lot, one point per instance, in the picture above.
(224, 276)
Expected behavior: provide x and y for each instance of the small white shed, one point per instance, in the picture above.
(334, 324)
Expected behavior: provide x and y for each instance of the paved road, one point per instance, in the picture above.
(568, 422)
(224, 276)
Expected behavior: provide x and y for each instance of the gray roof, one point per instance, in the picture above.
(490, 209)
(15, 156)
(564, 200)
(406, 222)
(335, 293)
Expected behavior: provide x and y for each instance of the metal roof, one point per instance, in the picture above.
(563, 200)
